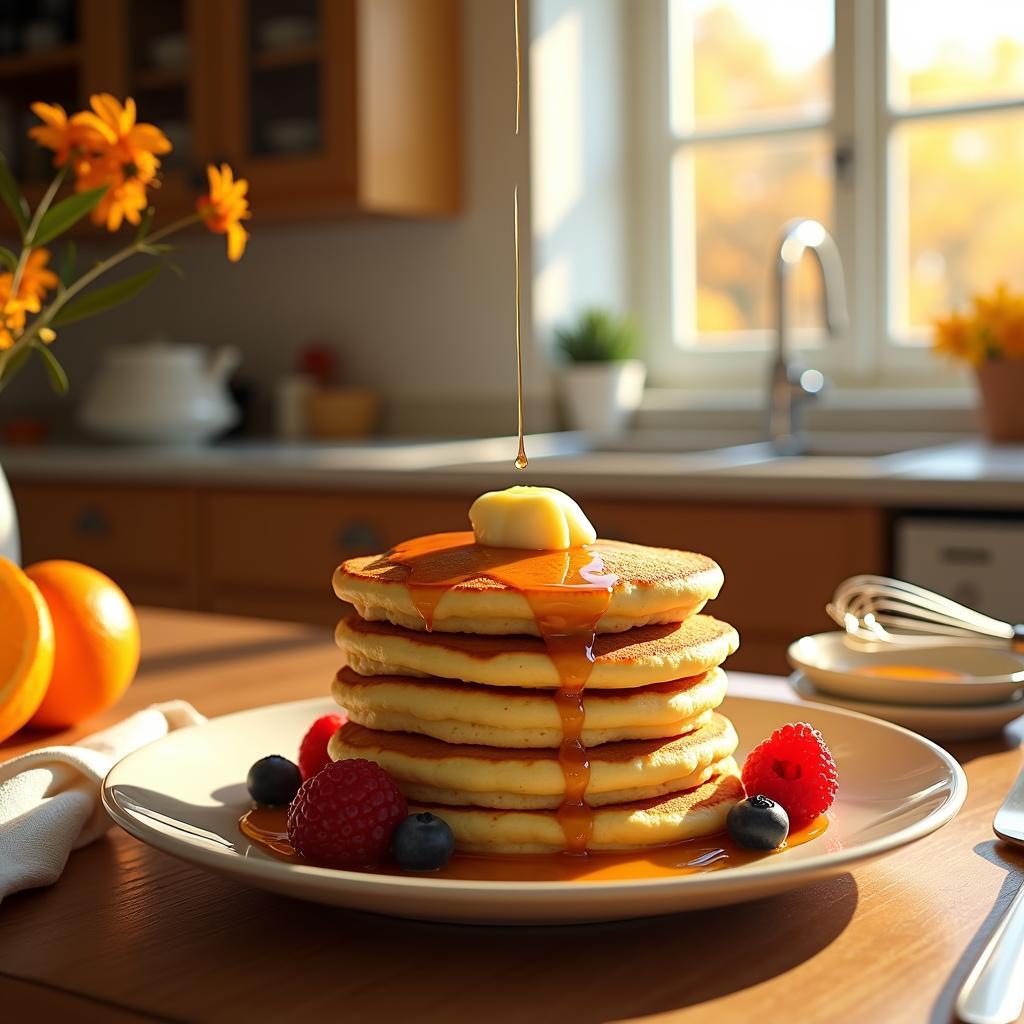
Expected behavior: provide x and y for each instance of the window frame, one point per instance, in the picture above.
(863, 215)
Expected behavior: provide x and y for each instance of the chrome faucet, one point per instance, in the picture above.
(791, 386)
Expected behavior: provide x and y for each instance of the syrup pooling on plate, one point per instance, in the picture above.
(266, 827)
(923, 672)
(567, 591)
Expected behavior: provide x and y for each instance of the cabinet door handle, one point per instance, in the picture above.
(92, 522)
(359, 536)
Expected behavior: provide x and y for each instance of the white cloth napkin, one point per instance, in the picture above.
(50, 798)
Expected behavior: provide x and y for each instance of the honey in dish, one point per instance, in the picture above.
(568, 592)
(925, 672)
(266, 827)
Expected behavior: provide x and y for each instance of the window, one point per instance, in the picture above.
(899, 124)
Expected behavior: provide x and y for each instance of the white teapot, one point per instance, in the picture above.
(161, 393)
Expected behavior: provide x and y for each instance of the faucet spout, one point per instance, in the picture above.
(791, 387)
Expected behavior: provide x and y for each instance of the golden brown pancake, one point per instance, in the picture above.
(431, 770)
(656, 653)
(669, 819)
(655, 585)
(497, 716)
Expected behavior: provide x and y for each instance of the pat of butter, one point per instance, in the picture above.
(536, 518)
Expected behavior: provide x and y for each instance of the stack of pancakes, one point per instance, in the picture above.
(464, 715)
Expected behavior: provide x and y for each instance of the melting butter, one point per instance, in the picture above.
(535, 518)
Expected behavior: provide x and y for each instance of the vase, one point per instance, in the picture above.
(10, 546)
(602, 397)
(1001, 382)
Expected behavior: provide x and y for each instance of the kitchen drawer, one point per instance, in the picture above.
(781, 562)
(144, 538)
(266, 549)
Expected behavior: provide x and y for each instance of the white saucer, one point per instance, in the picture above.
(184, 795)
(956, 722)
(989, 675)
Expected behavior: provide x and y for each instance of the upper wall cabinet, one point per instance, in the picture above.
(328, 107)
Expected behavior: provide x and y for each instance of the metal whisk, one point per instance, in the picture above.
(879, 610)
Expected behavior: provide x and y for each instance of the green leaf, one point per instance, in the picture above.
(155, 248)
(145, 224)
(14, 364)
(58, 378)
(12, 197)
(105, 298)
(68, 259)
(8, 259)
(65, 214)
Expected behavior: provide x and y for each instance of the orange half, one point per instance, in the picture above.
(26, 648)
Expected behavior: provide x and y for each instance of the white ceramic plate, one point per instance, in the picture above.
(992, 676)
(185, 793)
(951, 723)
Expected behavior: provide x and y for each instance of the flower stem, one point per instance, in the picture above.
(33, 227)
(46, 317)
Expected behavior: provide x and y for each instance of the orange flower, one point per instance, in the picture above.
(125, 198)
(225, 207)
(36, 280)
(112, 133)
(12, 321)
(56, 132)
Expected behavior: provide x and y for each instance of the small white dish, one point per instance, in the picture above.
(955, 722)
(185, 793)
(988, 676)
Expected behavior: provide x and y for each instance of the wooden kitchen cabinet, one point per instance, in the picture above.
(326, 106)
(781, 562)
(271, 553)
(142, 537)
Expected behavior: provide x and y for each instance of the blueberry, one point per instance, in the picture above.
(423, 842)
(758, 823)
(273, 781)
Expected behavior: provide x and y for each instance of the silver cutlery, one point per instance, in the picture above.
(994, 990)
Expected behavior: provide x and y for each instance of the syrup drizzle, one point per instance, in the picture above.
(521, 461)
(568, 592)
(266, 828)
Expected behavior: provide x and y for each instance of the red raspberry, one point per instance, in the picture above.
(313, 749)
(794, 768)
(345, 815)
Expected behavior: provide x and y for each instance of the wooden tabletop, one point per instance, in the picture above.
(130, 933)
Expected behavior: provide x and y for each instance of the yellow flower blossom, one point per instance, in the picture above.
(994, 329)
(12, 321)
(113, 133)
(225, 207)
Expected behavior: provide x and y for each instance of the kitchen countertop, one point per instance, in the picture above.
(855, 468)
(131, 934)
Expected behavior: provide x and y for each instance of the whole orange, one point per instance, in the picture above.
(26, 648)
(96, 642)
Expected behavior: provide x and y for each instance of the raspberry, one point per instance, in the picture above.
(313, 749)
(344, 816)
(794, 768)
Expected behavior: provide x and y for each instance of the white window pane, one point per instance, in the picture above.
(957, 214)
(737, 62)
(955, 51)
(730, 201)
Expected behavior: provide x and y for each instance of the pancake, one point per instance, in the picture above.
(642, 656)
(655, 585)
(510, 717)
(670, 819)
(433, 771)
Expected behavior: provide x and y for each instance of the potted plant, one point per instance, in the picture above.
(106, 163)
(602, 382)
(991, 339)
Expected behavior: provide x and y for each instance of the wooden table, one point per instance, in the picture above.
(130, 933)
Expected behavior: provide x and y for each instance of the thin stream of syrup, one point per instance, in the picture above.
(266, 828)
(567, 595)
(521, 461)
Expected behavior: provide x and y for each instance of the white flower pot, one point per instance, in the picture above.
(10, 546)
(602, 397)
